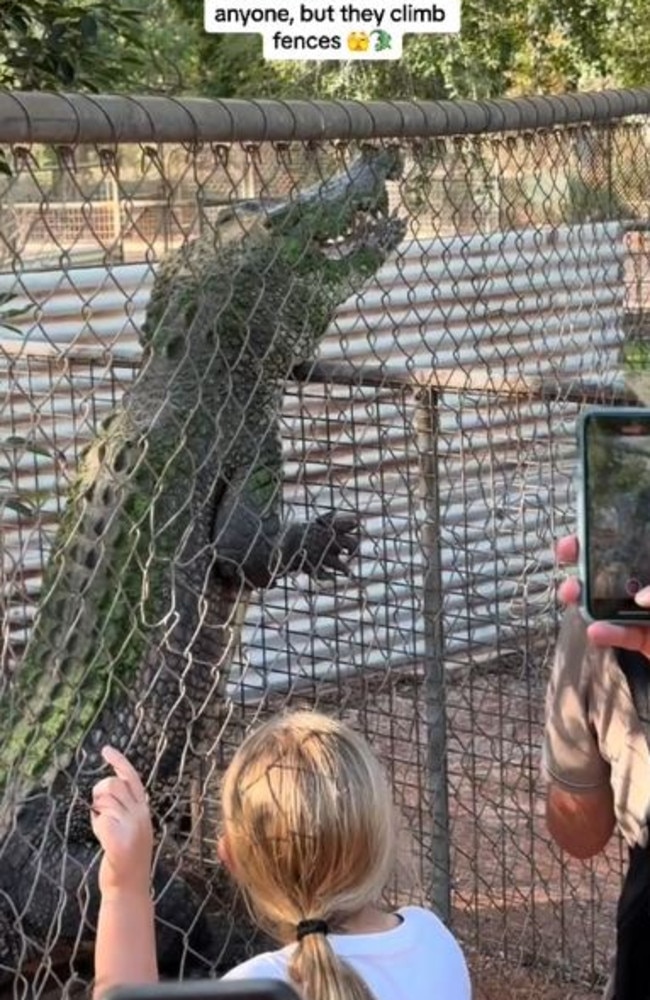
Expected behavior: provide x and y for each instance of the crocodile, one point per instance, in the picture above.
(173, 520)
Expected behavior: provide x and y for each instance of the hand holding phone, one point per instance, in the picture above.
(601, 633)
(614, 513)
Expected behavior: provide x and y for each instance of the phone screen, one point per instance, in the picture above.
(616, 512)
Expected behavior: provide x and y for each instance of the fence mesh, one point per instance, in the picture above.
(425, 380)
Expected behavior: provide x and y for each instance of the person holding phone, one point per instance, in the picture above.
(309, 835)
(596, 756)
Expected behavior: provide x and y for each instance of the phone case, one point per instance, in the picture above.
(622, 413)
(207, 989)
(581, 500)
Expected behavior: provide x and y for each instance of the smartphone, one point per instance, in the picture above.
(207, 989)
(614, 512)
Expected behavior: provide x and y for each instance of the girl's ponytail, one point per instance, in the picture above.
(319, 974)
(309, 830)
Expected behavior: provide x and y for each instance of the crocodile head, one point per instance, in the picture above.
(262, 287)
(346, 216)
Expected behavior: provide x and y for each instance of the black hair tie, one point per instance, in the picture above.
(306, 927)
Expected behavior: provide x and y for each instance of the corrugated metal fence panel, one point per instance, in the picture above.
(530, 302)
(496, 547)
(81, 312)
(527, 303)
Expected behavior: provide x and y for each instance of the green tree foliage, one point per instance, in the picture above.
(506, 48)
(169, 50)
(222, 65)
(81, 44)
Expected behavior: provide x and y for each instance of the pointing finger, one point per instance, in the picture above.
(125, 770)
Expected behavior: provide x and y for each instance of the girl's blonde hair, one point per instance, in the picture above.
(310, 833)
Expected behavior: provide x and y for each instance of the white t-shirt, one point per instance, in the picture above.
(417, 960)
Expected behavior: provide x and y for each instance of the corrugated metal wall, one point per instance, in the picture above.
(519, 305)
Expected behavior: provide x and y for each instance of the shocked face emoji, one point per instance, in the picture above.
(358, 41)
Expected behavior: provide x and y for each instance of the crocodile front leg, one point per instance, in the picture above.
(254, 547)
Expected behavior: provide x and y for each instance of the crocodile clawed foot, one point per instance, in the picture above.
(327, 545)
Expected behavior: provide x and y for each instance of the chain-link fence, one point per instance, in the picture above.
(426, 378)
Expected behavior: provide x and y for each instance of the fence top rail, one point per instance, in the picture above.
(69, 119)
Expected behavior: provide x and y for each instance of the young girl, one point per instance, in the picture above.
(308, 834)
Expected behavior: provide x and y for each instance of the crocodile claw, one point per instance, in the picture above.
(326, 545)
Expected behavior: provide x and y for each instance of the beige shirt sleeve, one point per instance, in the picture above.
(592, 731)
(571, 755)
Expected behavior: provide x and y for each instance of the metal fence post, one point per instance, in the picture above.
(434, 683)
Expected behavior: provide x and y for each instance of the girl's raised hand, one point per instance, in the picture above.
(121, 821)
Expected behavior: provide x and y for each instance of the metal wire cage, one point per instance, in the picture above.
(438, 407)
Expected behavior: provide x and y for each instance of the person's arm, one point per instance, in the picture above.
(125, 947)
(596, 753)
(579, 802)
